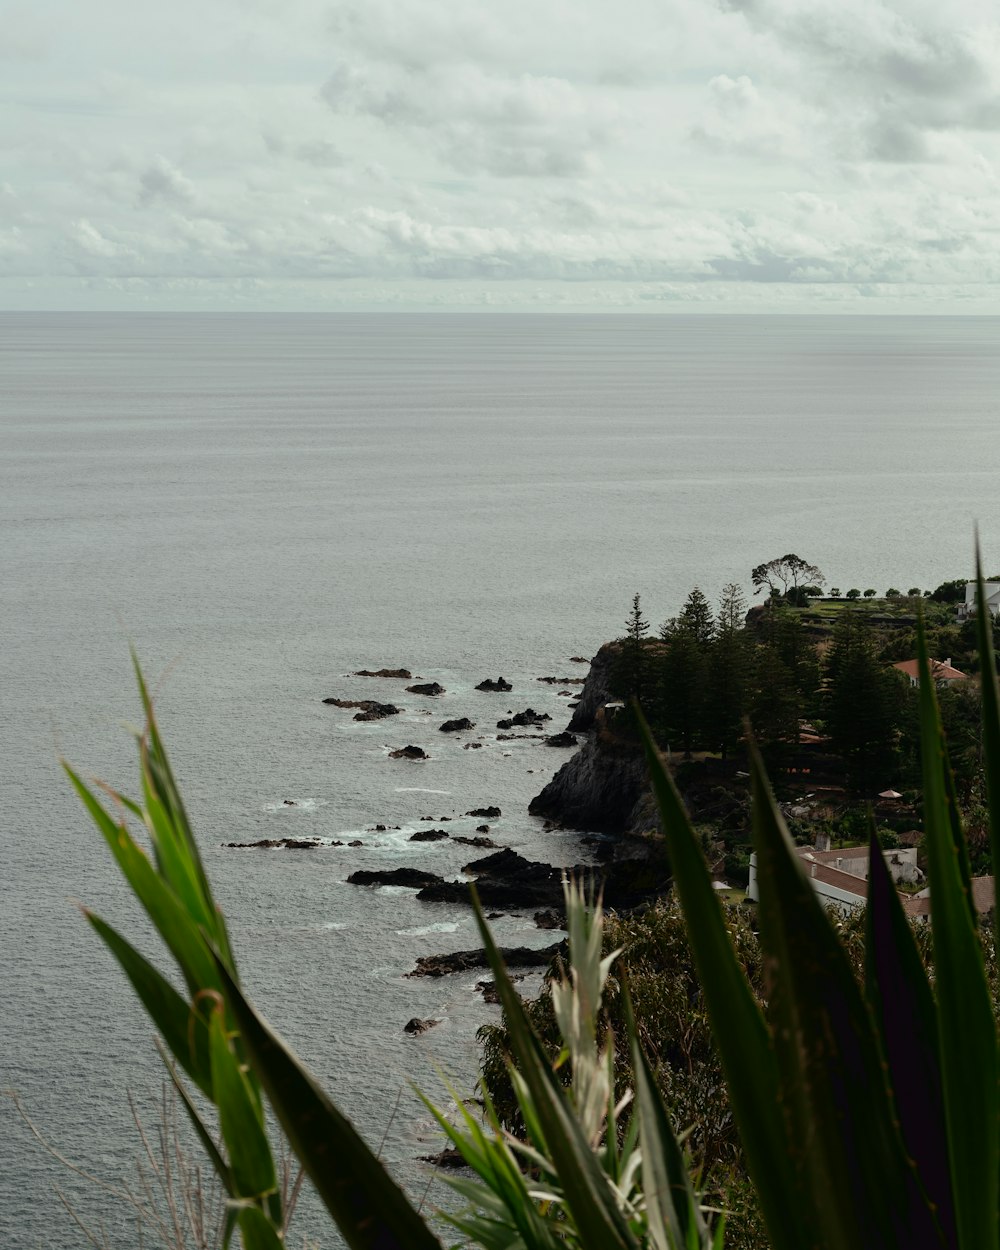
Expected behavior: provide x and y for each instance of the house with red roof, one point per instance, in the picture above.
(941, 670)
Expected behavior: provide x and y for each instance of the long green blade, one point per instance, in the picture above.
(369, 1208)
(848, 1148)
(598, 1221)
(172, 922)
(182, 1029)
(674, 1217)
(250, 1160)
(991, 728)
(737, 1023)
(967, 1030)
(905, 1018)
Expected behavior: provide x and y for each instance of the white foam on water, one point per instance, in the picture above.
(441, 927)
(296, 805)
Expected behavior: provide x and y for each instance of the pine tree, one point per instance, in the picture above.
(728, 672)
(630, 676)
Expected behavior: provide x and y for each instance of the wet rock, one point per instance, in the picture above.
(377, 711)
(288, 844)
(461, 961)
(428, 835)
(369, 709)
(431, 688)
(409, 753)
(471, 746)
(498, 685)
(550, 919)
(403, 673)
(565, 739)
(485, 813)
(449, 1158)
(482, 828)
(578, 659)
(414, 878)
(511, 737)
(356, 842)
(288, 803)
(562, 681)
(522, 719)
(415, 1026)
(597, 789)
(489, 990)
(460, 725)
(484, 843)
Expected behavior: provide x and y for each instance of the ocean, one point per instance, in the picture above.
(263, 504)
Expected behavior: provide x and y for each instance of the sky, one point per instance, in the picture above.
(644, 155)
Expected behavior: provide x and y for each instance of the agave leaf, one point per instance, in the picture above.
(599, 1223)
(250, 1159)
(966, 1027)
(257, 1231)
(172, 922)
(849, 1151)
(368, 1207)
(674, 1218)
(182, 1029)
(172, 858)
(991, 727)
(905, 1018)
(161, 779)
(737, 1023)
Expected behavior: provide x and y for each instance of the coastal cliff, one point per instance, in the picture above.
(601, 788)
(596, 690)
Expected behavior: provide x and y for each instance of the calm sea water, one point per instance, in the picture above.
(264, 504)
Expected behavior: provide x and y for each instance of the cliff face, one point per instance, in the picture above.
(601, 788)
(595, 691)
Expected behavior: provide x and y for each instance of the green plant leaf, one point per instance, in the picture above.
(256, 1230)
(862, 1185)
(368, 1207)
(991, 727)
(596, 1217)
(208, 1143)
(172, 922)
(737, 1023)
(905, 1019)
(250, 1160)
(966, 1027)
(182, 1029)
(670, 1199)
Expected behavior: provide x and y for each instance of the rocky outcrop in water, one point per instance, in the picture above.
(461, 961)
(522, 719)
(428, 835)
(414, 878)
(499, 685)
(460, 725)
(416, 1026)
(596, 689)
(403, 673)
(599, 788)
(409, 753)
(564, 739)
(431, 688)
(370, 709)
(287, 844)
(485, 813)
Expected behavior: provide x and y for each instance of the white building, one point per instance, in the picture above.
(968, 608)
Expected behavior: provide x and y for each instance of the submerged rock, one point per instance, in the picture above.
(428, 835)
(403, 673)
(459, 725)
(485, 813)
(521, 719)
(288, 844)
(377, 711)
(432, 688)
(485, 843)
(409, 753)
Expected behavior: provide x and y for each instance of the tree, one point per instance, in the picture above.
(728, 664)
(869, 593)
(696, 617)
(913, 592)
(853, 593)
(950, 592)
(892, 593)
(785, 574)
(683, 670)
(864, 705)
(834, 592)
(630, 677)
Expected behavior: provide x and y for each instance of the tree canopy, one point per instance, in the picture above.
(786, 574)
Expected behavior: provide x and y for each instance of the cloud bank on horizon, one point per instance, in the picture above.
(768, 154)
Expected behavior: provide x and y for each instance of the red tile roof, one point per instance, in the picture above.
(939, 670)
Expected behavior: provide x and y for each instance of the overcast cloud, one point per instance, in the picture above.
(764, 154)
